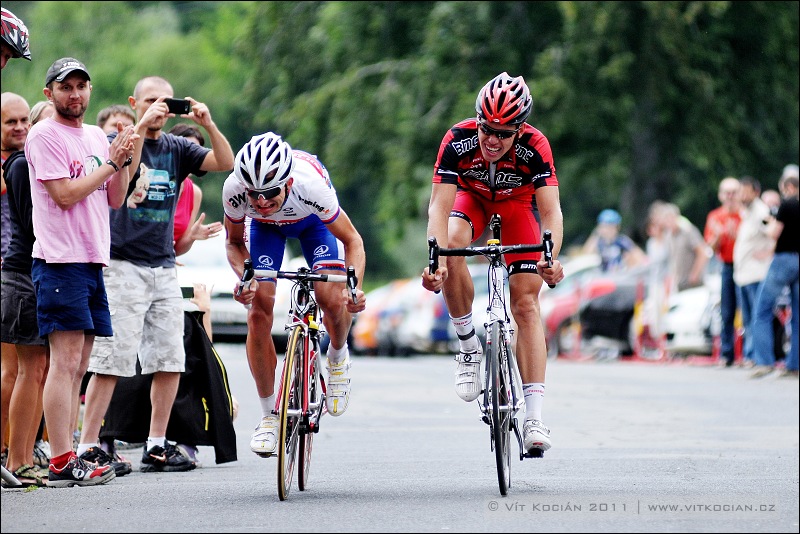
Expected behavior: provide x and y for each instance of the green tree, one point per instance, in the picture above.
(640, 100)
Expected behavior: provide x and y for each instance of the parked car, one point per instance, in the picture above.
(693, 320)
(559, 305)
(413, 320)
(365, 328)
(207, 262)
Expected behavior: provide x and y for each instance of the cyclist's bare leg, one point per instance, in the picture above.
(531, 357)
(332, 299)
(335, 316)
(530, 348)
(261, 355)
(458, 290)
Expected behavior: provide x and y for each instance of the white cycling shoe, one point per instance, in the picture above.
(468, 383)
(535, 435)
(265, 438)
(338, 387)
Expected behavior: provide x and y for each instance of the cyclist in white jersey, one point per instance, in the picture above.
(275, 193)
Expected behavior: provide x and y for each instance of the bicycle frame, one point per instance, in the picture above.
(502, 381)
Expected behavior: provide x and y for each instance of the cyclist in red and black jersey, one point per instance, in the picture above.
(497, 163)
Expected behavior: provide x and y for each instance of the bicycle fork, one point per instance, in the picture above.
(313, 401)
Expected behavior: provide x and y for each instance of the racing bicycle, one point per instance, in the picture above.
(500, 398)
(300, 399)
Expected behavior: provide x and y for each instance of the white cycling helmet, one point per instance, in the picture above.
(264, 164)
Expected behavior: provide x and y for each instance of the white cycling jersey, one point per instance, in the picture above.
(312, 193)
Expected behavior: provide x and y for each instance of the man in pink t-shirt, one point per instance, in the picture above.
(75, 177)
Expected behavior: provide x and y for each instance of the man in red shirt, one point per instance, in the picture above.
(722, 224)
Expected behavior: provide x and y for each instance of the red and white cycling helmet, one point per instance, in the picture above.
(256, 161)
(15, 35)
(504, 100)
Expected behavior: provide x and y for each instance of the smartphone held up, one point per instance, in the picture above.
(178, 106)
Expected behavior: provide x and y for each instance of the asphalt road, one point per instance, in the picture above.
(636, 448)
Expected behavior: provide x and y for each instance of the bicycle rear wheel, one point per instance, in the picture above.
(291, 399)
(307, 440)
(499, 393)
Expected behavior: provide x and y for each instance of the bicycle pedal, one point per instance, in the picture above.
(534, 453)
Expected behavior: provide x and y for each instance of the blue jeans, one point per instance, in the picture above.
(783, 271)
(727, 308)
(749, 293)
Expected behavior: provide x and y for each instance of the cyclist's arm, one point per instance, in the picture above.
(342, 228)
(443, 197)
(547, 200)
(237, 252)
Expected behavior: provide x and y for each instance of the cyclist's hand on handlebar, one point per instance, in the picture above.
(552, 274)
(247, 294)
(436, 281)
(354, 307)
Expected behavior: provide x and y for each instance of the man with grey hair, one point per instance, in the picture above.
(783, 271)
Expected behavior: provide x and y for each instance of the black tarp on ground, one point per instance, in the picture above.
(203, 410)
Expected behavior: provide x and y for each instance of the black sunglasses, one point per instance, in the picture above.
(267, 194)
(500, 134)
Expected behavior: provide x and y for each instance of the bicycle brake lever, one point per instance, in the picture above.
(547, 241)
(352, 282)
(433, 256)
(247, 275)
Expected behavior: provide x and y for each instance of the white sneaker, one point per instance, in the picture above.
(535, 435)
(265, 438)
(468, 384)
(338, 387)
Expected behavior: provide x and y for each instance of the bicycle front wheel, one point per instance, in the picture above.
(501, 416)
(291, 399)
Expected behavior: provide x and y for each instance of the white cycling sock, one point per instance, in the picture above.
(153, 441)
(267, 405)
(467, 339)
(534, 398)
(83, 447)
(338, 355)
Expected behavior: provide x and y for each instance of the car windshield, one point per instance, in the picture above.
(207, 253)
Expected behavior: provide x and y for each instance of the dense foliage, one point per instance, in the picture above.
(640, 100)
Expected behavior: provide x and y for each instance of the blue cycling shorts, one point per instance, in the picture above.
(321, 249)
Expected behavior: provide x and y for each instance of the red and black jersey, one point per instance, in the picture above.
(528, 166)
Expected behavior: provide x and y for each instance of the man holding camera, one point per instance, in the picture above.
(143, 291)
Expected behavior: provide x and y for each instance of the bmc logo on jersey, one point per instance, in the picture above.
(321, 250)
(265, 261)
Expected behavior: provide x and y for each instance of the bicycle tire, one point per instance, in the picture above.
(507, 399)
(307, 440)
(498, 393)
(290, 400)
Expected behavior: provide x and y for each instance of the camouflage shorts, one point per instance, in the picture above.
(147, 317)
